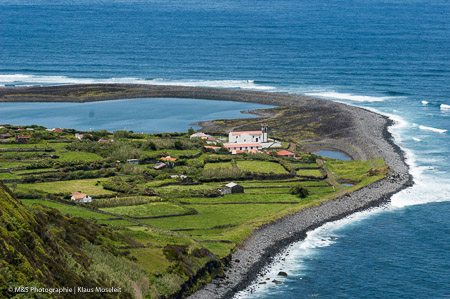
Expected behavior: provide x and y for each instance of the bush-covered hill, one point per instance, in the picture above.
(39, 247)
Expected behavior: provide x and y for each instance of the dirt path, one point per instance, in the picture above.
(331, 180)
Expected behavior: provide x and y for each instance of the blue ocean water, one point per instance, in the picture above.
(392, 56)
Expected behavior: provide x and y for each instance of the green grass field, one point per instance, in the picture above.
(216, 215)
(357, 170)
(261, 167)
(310, 172)
(78, 156)
(148, 210)
(218, 165)
(67, 209)
(87, 186)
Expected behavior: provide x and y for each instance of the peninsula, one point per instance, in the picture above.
(147, 203)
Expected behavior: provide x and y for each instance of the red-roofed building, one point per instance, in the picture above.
(242, 146)
(81, 197)
(168, 158)
(59, 130)
(105, 140)
(216, 148)
(22, 138)
(285, 153)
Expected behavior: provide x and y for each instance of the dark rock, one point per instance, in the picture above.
(263, 282)
(276, 281)
(237, 261)
(282, 273)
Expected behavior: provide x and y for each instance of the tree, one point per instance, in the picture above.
(300, 191)
(178, 144)
(191, 131)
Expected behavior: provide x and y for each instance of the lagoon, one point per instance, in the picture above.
(148, 115)
(333, 155)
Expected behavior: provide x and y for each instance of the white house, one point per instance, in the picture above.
(81, 197)
(247, 140)
(200, 135)
(248, 136)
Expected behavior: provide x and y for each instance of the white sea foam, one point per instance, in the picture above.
(347, 96)
(424, 102)
(22, 79)
(417, 139)
(432, 129)
(445, 107)
(291, 259)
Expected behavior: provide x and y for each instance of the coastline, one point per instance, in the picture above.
(269, 240)
(363, 135)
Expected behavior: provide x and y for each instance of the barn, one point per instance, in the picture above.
(232, 188)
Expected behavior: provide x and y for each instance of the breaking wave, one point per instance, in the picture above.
(432, 129)
(348, 96)
(36, 80)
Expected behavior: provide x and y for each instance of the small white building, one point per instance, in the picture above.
(231, 188)
(200, 135)
(81, 197)
(133, 161)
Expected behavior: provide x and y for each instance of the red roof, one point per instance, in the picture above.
(247, 132)
(285, 153)
(105, 140)
(57, 130)
(168, 158)
(78, 195)
(241, 145)
(23, 136)
(238, 151)
(212, 147)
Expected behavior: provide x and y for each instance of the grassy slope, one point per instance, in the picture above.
(40, 247)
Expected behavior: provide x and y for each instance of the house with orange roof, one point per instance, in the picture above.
(22, 138)
(81, 197)
(168, 159)
(285, 153)
(216, 148)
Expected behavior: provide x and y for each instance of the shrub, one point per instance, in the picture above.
(300, 191)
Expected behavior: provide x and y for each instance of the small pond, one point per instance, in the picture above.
(347, 185)
(333, 155)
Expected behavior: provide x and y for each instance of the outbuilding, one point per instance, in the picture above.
(132, 161)
(81, 197)
(232, 188)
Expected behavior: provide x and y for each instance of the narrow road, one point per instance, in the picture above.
(331, 180)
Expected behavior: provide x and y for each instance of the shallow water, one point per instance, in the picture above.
(333, 155)
(147, 115)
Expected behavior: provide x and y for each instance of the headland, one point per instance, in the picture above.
(310, 122)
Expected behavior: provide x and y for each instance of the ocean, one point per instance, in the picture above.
(390, 56)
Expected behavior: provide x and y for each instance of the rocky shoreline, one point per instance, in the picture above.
(360, 133)
(269, 240)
